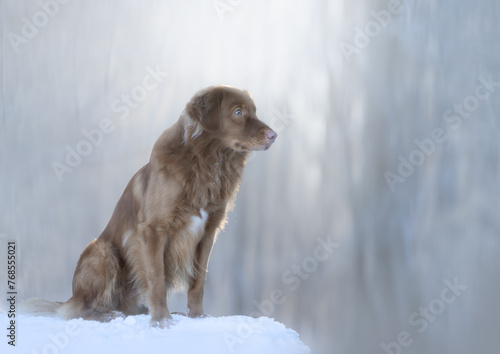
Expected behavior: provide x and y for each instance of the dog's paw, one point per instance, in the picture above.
(198, 315)
(180, 313)
(115, 314)
(164, 322)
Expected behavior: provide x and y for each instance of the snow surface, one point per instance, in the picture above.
(235, 334)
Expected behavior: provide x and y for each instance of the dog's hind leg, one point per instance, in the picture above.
(96, 293)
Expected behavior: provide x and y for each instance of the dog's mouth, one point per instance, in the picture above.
(259, 142)
(256, 144)
(243, 147)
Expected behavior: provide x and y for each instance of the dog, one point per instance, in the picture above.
(164, 226)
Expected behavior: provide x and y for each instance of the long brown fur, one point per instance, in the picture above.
(163, 228)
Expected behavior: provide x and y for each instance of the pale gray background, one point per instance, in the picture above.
(341, 126)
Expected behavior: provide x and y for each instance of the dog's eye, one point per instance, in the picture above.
(238, 112)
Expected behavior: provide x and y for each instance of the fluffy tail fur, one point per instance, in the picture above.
(40, 307)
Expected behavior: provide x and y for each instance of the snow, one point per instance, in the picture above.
(235, 334)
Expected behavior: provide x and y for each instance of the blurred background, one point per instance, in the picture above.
(374, 242)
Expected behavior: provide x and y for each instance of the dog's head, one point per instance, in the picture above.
(228, 114)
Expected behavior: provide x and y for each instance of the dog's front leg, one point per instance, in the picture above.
(153, 253)
(195, 291)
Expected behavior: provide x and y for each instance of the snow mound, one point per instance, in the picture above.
(235, 334)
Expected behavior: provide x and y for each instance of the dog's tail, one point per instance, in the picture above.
(39, 307)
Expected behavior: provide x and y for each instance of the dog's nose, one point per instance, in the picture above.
(271, 135)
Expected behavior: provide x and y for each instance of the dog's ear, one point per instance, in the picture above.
(205, 108)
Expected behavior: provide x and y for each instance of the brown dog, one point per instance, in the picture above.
(164, 225)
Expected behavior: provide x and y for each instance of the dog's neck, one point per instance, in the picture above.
(210, 170)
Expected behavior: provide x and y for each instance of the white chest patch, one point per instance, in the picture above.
(125, 237)
(198, 223)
